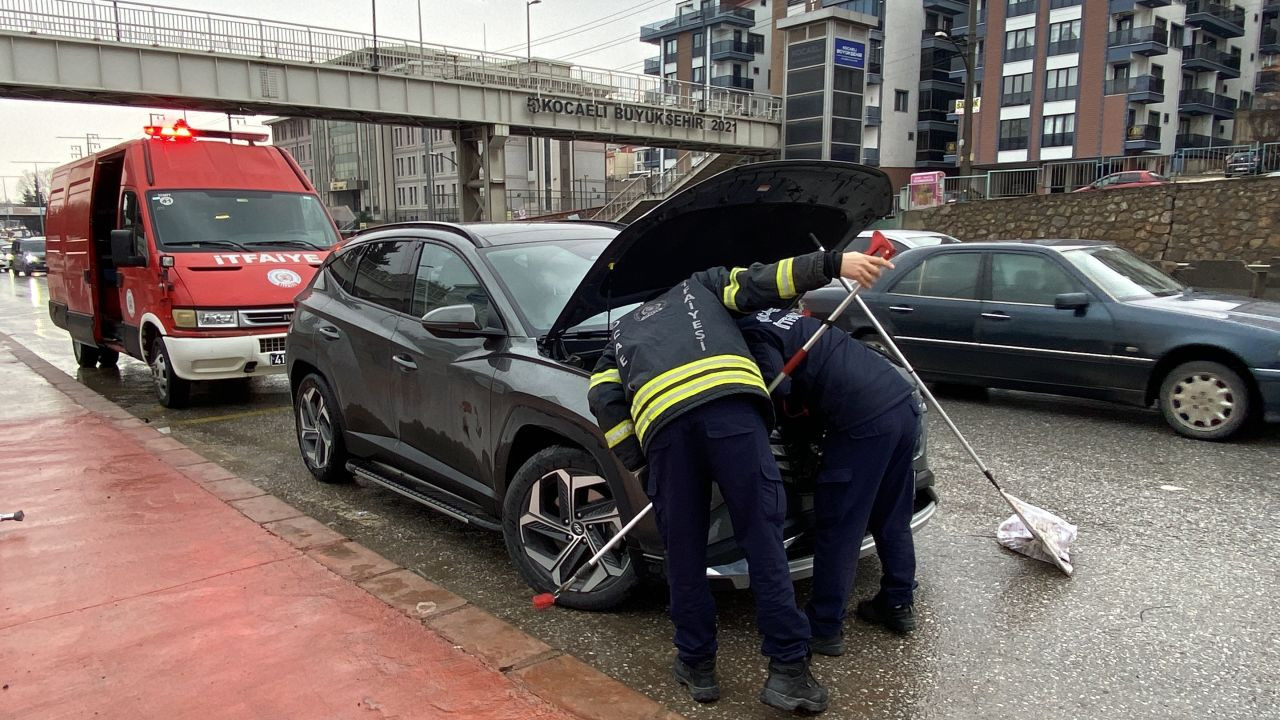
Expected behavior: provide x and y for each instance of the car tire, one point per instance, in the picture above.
(1205, 400)
(107, 358)
(548, 542)
(317, 422)
(171, 390)
(86, 355)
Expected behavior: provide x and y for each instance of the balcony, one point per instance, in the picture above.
(948, 7)
(655, 32)
(1207, 58)
(1205, 102)
(1128, 6)
(1148, 40)
(1064, 47)
(1021, 7)
(1270, 8)
(1140, 89)
(1193, 140)
(737, 82)
(735, 50)
(1218, 18)
(1142, 137)
(875, 65)
(962, 24)
(1269, 43)
(653, 66)
(871, 156)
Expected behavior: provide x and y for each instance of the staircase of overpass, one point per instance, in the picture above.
(639, 195)
(129, 53)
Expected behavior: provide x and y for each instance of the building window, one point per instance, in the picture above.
(1019, 44)
(1064, 37)
(697, 43)
(1061, 84)
(901, 100)
(669, 49)
(1175, 35)
(699, 75)
(1013, 8)
(1014, 134)
(1059, 131)
(1017, 90)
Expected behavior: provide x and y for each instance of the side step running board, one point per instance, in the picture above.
(436, 503)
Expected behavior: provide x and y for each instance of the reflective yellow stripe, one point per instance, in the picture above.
(786, 280)
(675, 375)
(608, 376)
(692, 388)
(620, 432)
(731, 292)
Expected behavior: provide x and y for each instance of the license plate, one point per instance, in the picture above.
(277, 358)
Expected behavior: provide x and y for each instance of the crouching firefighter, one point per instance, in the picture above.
(676, 385)
(871, 421)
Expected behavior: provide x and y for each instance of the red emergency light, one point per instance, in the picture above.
(179, 130)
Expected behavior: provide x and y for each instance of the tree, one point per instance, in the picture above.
(27, 187)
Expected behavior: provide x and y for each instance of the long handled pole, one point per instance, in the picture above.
(882, 248)
(1013, 503)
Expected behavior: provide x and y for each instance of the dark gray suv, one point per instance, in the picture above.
(449, 363)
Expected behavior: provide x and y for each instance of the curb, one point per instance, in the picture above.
(557, 678)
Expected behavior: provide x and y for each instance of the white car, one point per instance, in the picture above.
(903, 240)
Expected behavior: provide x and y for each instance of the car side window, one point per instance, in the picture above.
(944, 275)
(383, 276)
(1126, 178)
(343, 268)
(444, 279)
(1028, 279)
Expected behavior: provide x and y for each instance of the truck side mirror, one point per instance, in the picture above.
(122, 250)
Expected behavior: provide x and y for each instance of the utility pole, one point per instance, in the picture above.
(374, 65)
(970, 83)
(92, 143)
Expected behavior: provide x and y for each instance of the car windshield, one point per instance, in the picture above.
(1122, 275)
(540, 277)
(32, 246)
(197, 220)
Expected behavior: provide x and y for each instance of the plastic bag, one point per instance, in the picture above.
(1015, 536)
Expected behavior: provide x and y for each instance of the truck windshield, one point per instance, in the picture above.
(186, 220)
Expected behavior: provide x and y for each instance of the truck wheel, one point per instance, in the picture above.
(1205, 400)
(86, 355)
(319, 427)
(171, 390)
(557, 513)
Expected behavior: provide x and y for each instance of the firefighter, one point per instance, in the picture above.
(871, 421)
(676, 386)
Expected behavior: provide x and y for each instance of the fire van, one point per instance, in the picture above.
(184, 250)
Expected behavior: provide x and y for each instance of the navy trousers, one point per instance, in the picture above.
(725, 441)
(866, 482)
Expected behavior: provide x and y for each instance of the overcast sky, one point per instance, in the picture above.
(606, 32)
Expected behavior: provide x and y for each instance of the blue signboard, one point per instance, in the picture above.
(851, 54)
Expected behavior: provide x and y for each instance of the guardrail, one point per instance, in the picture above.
(210, 32)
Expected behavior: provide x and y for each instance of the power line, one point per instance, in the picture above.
(598, 48)
(589, 25)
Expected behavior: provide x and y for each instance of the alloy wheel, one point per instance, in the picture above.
(569, 515)
(315, 428)
(160, 373)
(1202, 401)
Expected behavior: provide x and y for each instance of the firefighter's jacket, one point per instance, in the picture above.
(684, 348)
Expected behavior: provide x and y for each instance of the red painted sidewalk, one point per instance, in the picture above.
(133, 591)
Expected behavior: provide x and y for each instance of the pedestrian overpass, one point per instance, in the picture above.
(126, 53)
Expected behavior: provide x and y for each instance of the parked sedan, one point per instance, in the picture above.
(1128, 179)
(1083, 319)
(450, 364)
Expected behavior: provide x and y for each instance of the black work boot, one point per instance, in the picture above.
(898, 618)
(791, 686)
(700, 678)
(830, 646)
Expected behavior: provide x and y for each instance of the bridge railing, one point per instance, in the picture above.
(198, 31)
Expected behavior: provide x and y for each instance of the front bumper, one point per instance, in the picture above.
(1269, 389)
(224, 358)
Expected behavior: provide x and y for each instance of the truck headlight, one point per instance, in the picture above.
(184, 318)
(216, 318)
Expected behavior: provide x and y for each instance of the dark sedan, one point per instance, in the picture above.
(1084, 319)
(450, 364)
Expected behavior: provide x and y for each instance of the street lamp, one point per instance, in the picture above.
(374, 66)
(528, 28)
(966, 54)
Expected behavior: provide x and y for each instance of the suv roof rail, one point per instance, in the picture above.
(454, 228)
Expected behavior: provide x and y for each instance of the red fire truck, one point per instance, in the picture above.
(184, 250)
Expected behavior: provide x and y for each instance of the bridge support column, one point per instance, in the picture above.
(482, 172)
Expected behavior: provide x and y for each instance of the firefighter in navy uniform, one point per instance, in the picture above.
(871, 422)
(677, 385)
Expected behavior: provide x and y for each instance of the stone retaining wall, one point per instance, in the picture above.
(1217, 220)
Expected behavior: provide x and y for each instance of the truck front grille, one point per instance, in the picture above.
(259, 318)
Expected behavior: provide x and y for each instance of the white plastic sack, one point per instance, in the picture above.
(1059, 533)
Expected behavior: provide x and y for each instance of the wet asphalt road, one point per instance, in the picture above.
(1171, 614)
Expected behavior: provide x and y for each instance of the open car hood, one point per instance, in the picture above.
(762, 212)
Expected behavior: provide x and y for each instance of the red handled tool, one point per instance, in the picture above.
(880, 247)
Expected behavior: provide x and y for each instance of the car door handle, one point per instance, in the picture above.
(329, 332)
(904, 309)
(995, 316)
(405, 362)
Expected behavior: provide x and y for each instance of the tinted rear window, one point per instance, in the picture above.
(343, 267)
